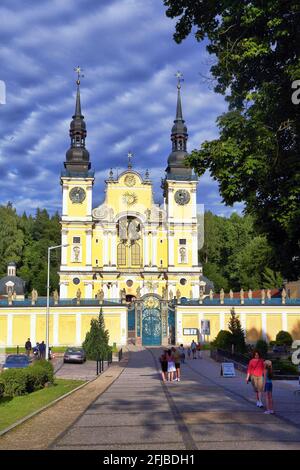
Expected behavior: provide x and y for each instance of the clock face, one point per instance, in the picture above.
(77, 195)
(182, 197)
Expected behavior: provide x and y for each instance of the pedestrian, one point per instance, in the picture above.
(268, 375)
(199, 352)
(171, 365)
(255, 373)
(36, 351)
(189, 352)
(176, 355)
(182, 353)
(194, 349)
(164, 365)
(42, 350)
(28, 347)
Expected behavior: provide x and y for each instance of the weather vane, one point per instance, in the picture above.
(79, 71)
(129, 155)
(179, 76)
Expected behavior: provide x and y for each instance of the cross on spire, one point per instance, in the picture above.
(79, 71)
(129, 155)
(179, 76)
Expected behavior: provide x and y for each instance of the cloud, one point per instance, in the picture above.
(128, 93)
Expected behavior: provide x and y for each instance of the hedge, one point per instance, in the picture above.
(15, 382)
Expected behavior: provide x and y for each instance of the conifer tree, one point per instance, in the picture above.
(96, 340)
(237, 332)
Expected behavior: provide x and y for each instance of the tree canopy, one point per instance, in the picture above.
(256, 48)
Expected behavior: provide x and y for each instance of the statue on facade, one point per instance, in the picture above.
(242, 295)
(34, 296)
(123, 296)
(269, 295)
(9, 297)
(283, 295)
(171, 295)
(211, 294)
(178, 295)
(231, 294)
(76, 252)
(201, 295)
(55, 297)
(263, 296)
(250, 294)
(182, 252)
(100, 296)
(78, 295)
(222, 296)
(134, 230)
(138, 293)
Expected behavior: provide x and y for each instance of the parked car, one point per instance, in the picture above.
(16, 361)
(74, 355)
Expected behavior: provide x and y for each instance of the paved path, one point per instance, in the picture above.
(203, 411)
(85, 371)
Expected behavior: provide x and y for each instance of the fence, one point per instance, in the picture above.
(100, 362)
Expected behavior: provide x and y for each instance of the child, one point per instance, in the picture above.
(189, 352)
(268, 374)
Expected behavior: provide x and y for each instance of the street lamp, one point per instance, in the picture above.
(48, 297)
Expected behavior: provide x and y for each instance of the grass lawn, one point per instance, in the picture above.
(13, 409)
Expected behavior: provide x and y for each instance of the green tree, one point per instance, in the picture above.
(256, 157)
(237, 332)
(96, 340)
(284, 338)
(11, 238)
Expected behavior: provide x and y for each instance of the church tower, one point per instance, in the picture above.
(77, 181)
(180, 186)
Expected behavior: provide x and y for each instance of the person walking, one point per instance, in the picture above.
(182, 353)
(164, 366)
(194, 349)
(28, 347)
(268, 388)
(171, 365)
(255, 373)
(176, 355)
(189, 352)
(199, 352)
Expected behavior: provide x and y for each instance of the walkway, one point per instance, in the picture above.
(203, 411)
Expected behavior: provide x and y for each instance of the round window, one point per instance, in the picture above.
(182, 281)
(129, 283)
(76, 281)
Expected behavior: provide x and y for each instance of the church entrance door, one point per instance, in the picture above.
(151, 322)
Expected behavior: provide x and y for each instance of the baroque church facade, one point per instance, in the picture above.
(129, 246)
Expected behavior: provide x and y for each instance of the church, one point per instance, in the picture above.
(134, 260)
(129, 246)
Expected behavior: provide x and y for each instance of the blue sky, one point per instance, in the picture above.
(128, 94)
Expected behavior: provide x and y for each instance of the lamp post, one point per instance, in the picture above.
(48, 297)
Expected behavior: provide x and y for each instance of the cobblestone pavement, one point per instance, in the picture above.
(203, 411)
(85, 371)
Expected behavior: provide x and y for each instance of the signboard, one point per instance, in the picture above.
(227, 369)
(205, 327)
(190, 331)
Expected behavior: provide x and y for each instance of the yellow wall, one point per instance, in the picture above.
(253, 327)
(3, 329)
(274, 325)
(67, 329)
(86, 324)
(214, 325)
(189, 321)
(294, 326)
(41, 328)
(21, 329)
(113, 325)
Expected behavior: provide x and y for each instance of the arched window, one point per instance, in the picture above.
(135, 254)
(121, 254)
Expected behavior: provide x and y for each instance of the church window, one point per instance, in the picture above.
(121, 254)
(182, 281)
(97, 261)
(129, 283)
(76, 281)
(76, 239)
(135, 254)
(182, 241)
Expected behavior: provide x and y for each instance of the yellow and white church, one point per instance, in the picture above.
(135, 260)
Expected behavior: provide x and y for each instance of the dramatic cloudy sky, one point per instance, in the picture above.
(128, 94)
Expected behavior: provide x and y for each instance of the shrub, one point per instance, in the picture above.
(262, 347)
(223, 340)
(15, 382)
(47, 367)
(285, 367)
(284, 338)
(36, 378)
(1, 389)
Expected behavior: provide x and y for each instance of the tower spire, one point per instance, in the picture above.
(176, 161)
(77, 157)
